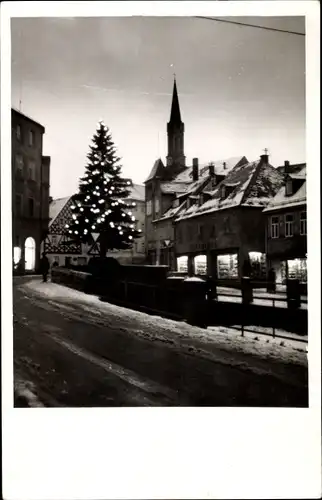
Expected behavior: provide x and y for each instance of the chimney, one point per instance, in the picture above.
(264, 158)
(286, 167)
(211, 169)
(195, 169)
(224, 165)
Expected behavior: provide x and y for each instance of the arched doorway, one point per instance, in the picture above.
(30, 254)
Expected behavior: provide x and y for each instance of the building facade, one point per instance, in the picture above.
(64, 252)
(30, 191)
(224, 236)
(286, 226)
(171, 187)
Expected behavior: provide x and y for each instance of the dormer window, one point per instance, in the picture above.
(223, 191)
(289, 187)
(176, 203)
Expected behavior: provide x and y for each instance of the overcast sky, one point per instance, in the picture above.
(240, 89)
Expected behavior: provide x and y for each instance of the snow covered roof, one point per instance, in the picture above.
(266, 185)
(219, 168)
(251, 184)
(157, 167)
(56, 207)
(137, 192)
(174, 187)
(292, 168)
(172, 212)
(281, 200)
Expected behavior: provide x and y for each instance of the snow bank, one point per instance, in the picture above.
(194, 278)
(217, 343)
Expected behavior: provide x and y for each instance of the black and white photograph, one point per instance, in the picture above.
(159, 204)
(159, 212)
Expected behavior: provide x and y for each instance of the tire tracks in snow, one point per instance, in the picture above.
(149, 392)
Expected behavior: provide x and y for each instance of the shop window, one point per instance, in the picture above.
(182, 264)
(297, 269)
(275, 227)
(227, 266)
(258, 264)
(200, 264)
(289, 221)
(30, 254)
(303, 226)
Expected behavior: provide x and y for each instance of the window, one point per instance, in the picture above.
(227, 228)
(289, 187)
(182, 264)
(157, 206)
(227, 266)
(200, 264)
(18, 204)
(275, 227)
(297, 269)
(148, 207)
(31, 207)
(16, 255)
(201, 232)
(31, 170)
(18, 132)
(19, 163)
(31, 138)
(30, 254)
(289, 219)
(303, 229)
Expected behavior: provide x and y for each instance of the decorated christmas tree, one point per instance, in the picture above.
(101, 210)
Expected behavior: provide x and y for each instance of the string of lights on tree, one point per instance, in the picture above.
(101, 206)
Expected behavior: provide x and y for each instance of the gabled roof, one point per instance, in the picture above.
(157, 170)
(26, 117)
(60, 213)
(186, 175)
(281, 200)
(56, 207)
(251, 184)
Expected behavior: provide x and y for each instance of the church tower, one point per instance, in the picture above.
(175, 129)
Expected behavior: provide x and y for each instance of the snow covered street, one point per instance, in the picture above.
(71, 349)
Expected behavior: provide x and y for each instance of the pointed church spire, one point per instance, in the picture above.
(175, 128)
(175, 116)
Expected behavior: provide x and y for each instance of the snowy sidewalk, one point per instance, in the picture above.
(207, 343)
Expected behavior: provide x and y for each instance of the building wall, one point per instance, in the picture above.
(136, 254)
(156, 233)
(286, 247)
(30, 184)
(235, 230)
